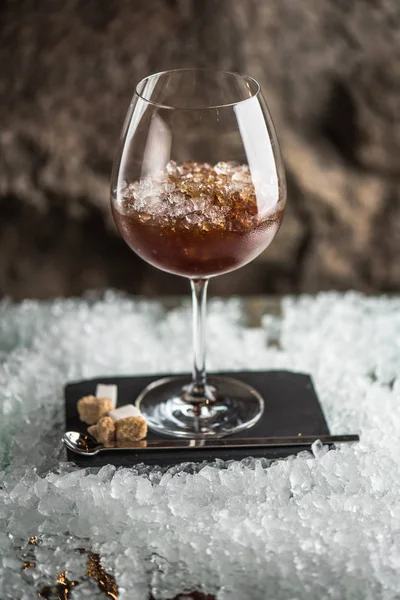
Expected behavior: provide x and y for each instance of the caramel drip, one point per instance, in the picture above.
(105, 581)
(94, 570)
(60, 591)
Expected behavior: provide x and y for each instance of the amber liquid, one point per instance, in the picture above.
(224, 235)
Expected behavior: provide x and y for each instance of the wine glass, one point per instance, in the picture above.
(198, 190)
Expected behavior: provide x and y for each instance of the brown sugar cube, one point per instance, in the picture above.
(91, 409)
(104, 431)
(130, 429)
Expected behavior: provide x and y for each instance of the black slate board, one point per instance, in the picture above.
(291, 407)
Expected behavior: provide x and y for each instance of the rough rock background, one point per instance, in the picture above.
(330, 70)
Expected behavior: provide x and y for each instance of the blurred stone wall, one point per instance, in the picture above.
(331, 73)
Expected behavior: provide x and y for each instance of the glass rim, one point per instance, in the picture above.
(194, 69)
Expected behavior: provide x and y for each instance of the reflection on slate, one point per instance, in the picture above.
(291, 408)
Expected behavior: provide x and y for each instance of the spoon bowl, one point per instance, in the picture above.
(81, 443)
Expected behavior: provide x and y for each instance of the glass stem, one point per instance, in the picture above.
(199, 301)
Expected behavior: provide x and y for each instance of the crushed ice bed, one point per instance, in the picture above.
(305, 527)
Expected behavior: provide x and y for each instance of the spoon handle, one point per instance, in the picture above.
(87, 446)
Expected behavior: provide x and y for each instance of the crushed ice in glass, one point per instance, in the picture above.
(304, 527)
(201, 193)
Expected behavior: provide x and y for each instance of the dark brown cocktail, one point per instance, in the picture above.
(197, 220)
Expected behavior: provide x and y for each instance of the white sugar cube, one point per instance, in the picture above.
(124, 411)
(107, 391)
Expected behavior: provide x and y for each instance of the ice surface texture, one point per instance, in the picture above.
(201, 195)
(308, 527)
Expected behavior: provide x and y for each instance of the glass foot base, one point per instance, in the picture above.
(234, 406)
